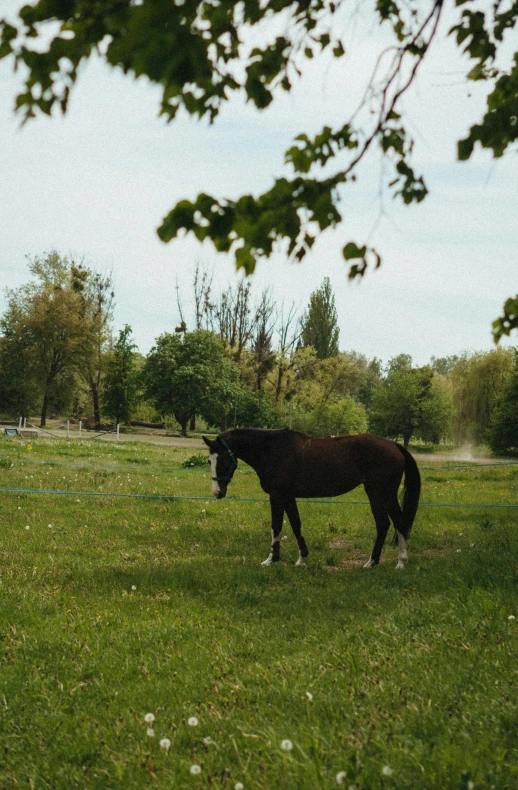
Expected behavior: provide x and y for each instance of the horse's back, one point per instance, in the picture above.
(333, 465)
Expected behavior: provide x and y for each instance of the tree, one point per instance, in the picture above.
(190, 375)
(120, 385)
(319, 324)
(46, 318)
(97, 298)
(503, 431)
(477, 383)
(19, 385)
(407, 403)
(198, 53)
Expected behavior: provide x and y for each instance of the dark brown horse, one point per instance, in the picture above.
(290, 465)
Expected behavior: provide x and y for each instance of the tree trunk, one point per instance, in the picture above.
(43, 419)
(192, 426)
(406, 439)
(182, 420)
(94, 388)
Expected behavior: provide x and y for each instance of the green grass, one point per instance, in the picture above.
(128, 606)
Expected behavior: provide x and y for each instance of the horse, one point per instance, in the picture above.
(292, 465)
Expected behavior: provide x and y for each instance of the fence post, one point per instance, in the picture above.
(80, 426)
(68, 429)
(20, 423)
(117, 431)
(24, 422)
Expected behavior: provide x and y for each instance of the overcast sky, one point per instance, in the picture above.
(97, 183)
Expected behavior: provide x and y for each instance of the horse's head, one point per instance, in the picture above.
(223, 465)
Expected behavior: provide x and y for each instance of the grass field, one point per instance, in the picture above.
(113, 608)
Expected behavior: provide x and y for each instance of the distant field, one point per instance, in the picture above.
(112, 608)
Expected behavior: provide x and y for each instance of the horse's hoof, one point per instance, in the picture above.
(300, 562)
(268, 561)
(400, 566)
(370, 563)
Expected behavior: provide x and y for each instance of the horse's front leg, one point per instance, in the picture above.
(292, 512)
(277, 508)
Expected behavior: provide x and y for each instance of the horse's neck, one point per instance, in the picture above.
(252, 449)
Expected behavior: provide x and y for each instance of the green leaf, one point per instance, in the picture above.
(352, 251)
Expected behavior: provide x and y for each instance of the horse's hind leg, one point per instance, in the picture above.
(379, 511)
(292, 512)
(397, 519)
(277, 509)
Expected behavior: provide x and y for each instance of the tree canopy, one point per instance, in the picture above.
(188, 376)
(199, 52)
(320, 322)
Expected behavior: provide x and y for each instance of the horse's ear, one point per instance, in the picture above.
(207, 441)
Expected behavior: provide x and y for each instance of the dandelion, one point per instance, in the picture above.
(239, 786)
(286, 745)
(341, 776)
(471, 785)
(511, 617)
(49, 526)
(165, 744)
(195, 770)
(204, 511)
(309, 695)
(207, 741)
(387, 770)
(149, 718)
(458, 551)
(151, 732)
(27, 527)
(133, 587)
(192, 722)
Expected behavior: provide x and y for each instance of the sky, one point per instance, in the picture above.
(96, 184)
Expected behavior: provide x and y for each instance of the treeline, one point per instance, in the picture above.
(245, 362)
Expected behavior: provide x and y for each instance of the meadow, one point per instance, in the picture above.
(112, 608)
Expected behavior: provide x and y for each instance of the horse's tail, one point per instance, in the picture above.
(411, 491)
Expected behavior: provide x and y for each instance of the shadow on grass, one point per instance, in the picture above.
(312, 593)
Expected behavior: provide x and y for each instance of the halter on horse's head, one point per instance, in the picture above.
(223, 464)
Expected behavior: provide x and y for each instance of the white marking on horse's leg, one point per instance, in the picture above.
(370, 563)
(403, 556)
(268, 560)
(300, 560)
(276, 539)
(213, 457)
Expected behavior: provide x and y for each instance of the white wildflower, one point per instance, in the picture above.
(239, 786)
(49, 526)
(27, 527)
(151, 732)
(192, 722)
(309, 695)
(341, 777)
(387, 770)
(458, 551)
(165, 743)
(207, 741)
(133, 587)
(195, 770)
(511, 617)
(286, 745)
(149, 718)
